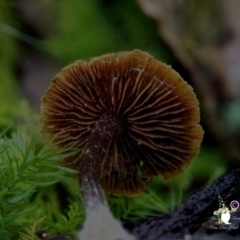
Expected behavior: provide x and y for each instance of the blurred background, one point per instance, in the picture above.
(200, 39)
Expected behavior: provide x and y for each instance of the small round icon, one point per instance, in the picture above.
(234, 205)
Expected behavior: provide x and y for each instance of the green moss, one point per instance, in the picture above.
(23, 170)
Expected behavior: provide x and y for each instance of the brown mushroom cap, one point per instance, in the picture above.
(156, 110)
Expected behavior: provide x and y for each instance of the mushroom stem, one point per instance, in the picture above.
(104, 132)
(99, 223)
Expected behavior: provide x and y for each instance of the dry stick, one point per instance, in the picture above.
(193, 212)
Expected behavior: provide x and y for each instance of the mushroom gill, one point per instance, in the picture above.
(132, 117)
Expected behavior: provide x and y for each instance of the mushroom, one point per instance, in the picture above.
(131, 116)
